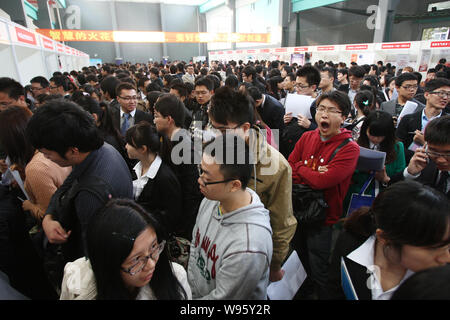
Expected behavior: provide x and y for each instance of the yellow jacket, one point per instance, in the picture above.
(273, 184)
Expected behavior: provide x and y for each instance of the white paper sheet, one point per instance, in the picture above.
(408, 108)
(370, 160)
(298, 104)
(294, 276)
(16, 175)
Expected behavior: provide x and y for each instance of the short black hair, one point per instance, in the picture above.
(356, 71)
(61, 81)
(255, 93)
(215, 80)
(109, 85)
(312, 75)
(232, 81)
(331, 72)
(180, 88)
(170, 105)
(250, 71)
(91, 77)
(438, 131)
(60, 124)
(204, 81)
(340, 98)
(436, 84)
(41, 80)
(228, 105)
(124, 86)
(291, 76)
(11, 87)
(232, 154)
(407, 76)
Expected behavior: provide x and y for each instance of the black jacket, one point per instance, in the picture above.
(272, 113)
(187, 174)
(162, 196)
(139, 116)
(345, 244)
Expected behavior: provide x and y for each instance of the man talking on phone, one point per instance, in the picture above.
(431, 163)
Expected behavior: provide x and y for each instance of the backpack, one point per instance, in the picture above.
(55, 256)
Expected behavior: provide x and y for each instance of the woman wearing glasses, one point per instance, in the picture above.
(127, 259)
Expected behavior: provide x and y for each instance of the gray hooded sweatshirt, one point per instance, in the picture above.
(230, 254)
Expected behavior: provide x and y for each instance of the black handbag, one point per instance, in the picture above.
(309, 205)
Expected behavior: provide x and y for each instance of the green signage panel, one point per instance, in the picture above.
(301, 5)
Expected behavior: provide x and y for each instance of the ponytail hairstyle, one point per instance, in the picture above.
(364, 101)
(408, 213)
(145, 134)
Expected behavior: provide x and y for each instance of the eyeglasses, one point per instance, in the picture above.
(301, 86)
(322, 109)
(129, 98)
(441, 94)
(201, 93)
(410, 87)
(142, 261)
(36, 89)
(200, 173)
(53, 87)
(223, 129)
(436, 155)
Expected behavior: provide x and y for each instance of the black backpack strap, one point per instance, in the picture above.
(339, 148)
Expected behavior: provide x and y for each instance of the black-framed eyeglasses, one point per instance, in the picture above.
(223, 129)
(441, 94)
(322, 109)
(301, 86)
(435, 155)
(200, 173)
(129, 98)
(414, 87)
(142, 261)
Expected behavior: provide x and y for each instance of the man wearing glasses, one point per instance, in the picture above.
(406, 85)
(231, 249)
(411, 127)
(434, 173)
(39, 85)
(128, 115)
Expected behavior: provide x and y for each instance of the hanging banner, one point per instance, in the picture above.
(152, 36)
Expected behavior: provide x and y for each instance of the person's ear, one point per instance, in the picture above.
(246, 126)
(380, 236)
(236, 185)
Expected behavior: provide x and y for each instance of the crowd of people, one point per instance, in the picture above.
(181, 180)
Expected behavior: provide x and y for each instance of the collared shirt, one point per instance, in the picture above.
(130, 120)
(373, 146)
(425, 120)
(365, 256)
(142, 179)
(409, 176)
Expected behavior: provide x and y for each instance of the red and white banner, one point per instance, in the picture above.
(357, 47)
(325, 48)
(60, 47)
(251, 51)
(280, 50)
(25, 36)
(48, 44)
(264, 50)
(403, 45)
(302, 49)
(440, 44)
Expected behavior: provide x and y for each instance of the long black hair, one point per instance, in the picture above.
(110, 240)
(408, 212)
(380, 124)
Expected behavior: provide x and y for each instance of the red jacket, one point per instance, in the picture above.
(310, 152)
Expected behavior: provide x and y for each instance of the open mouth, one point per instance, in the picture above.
(324, 125)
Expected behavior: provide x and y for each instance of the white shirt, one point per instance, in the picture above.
(365, 256)
(142, 179)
